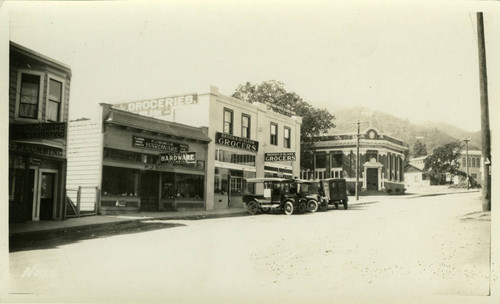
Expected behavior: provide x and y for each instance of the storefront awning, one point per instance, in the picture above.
(141, 122)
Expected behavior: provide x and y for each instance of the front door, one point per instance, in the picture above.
(149, 190)
(23, 195)
(372, 179)
(48, 187)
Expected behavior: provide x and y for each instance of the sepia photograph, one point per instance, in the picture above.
(245, 151)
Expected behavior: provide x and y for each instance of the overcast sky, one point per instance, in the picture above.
(414, 60)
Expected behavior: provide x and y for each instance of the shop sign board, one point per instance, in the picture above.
(236, 142)
(49, 130)
(158, 107)
(282, 156)
(35, 149)
(158, 144)
(178, 158)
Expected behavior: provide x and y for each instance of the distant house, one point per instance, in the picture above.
(415, 174)
(474, 163)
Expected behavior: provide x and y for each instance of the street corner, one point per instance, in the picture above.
(477, 216)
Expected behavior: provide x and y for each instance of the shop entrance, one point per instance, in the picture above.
(149, 190)
(48, 182)
(372, 179)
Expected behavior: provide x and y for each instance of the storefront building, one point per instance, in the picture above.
(38, 114)
(247, 140)
(381, 159)
(139, 163)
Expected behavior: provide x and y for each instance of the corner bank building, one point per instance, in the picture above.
(38, 114)
(246, 139)
(381, 159)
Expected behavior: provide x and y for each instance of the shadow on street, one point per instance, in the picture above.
(49, 240)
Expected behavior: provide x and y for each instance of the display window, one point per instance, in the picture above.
(120, 181)
(180, 185)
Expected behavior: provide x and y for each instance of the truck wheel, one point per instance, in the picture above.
(252, 207)
(312, 206)
(288, 208)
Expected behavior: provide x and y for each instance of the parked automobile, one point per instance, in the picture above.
(308, 194)
(334, 191)
(271, 193)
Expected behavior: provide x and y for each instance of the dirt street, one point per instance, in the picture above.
(398, 248)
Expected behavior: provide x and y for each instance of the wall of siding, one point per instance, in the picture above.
(84, 161)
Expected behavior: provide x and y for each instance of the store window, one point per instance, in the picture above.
(120, 181)
(189, 186)
(274, 134)
(228, 121)
(54, 101)
(29, 96)
(287, 137)
(245, 126)
(221, 181)
(235, 158)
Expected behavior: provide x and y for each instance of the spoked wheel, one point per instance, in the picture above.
(345, 204)
(312, 206)
(252, 207)
(288, 208)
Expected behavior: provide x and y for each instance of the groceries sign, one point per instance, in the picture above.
(285, 156)
(236, 142)
(158, 107)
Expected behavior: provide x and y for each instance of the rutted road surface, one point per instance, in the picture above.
(398, 247)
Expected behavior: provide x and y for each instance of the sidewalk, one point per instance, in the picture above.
(16, 229)
(98, 221)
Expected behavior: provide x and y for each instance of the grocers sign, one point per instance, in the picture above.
(236, 142)
(285, 156)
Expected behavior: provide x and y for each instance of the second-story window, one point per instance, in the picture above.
(274, 134)
(287, 137)
(55, 100)
(228, 121)
(245, 126)
(29, 96)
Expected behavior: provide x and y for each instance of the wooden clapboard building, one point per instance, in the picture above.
(137, 163)
(38, 113)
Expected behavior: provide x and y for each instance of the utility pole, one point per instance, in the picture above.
(485, 120)
(467, 161)
(357, 161)
(358, 135)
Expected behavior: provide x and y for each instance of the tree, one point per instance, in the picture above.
(444, 160)
(274, 94)
(419, 149)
